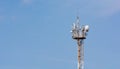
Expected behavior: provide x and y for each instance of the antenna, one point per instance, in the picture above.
(79, 34)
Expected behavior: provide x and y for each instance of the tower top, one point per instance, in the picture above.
(77, 31)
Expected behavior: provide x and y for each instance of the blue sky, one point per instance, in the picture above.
(35, 34)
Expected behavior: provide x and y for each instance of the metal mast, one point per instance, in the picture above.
(79, 34)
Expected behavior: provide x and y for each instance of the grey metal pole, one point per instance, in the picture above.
(80, 54)
(79, 34)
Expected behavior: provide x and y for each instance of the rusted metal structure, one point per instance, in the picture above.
(79, 34)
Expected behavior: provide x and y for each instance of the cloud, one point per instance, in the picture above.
(97, 7)
(13, 18)
(106, 7)
(2, 18)
(27, 1)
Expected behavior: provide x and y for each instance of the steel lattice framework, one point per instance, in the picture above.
(79, 34)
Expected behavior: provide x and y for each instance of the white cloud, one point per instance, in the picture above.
(13, 18)
(106, 7)
(2, 18)
(96, 7)
(27, 1)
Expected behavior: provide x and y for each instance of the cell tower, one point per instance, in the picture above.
(79, 34)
